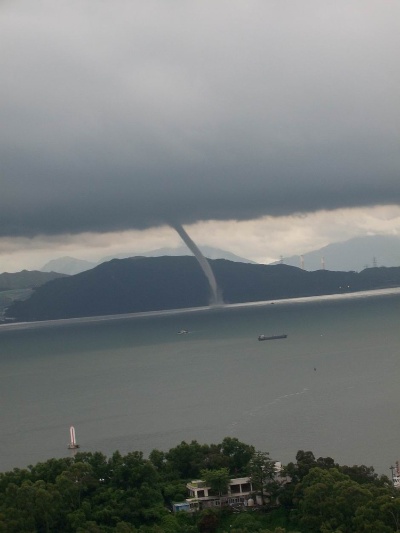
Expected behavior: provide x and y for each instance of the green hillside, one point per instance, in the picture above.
(150, 284)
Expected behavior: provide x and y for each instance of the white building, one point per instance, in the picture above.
(202, 496)
(240, 493)
(396, 475)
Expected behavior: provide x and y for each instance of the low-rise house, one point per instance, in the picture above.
(238, 493)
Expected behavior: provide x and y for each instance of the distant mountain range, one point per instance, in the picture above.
(71, 265)
(158, 283)
(68, 265)
(208, 251)
(355, 254)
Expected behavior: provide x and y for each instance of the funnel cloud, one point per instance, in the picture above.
(216, 298)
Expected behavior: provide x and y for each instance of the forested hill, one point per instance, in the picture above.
(92, 493)
(19, 286)
(26, 279)
(157, 283)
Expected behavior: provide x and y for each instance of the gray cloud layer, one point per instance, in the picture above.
(130, 114)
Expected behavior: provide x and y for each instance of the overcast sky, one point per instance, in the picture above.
(271, 124)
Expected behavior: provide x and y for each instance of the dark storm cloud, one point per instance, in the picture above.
(128, 114)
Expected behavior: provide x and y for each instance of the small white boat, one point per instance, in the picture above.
(183, 332)
(72, 445)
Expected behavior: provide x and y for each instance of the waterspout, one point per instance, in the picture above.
(216, 298)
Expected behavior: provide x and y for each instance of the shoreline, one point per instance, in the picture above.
(102, 318)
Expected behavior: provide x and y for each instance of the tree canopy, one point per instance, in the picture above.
(92, 493)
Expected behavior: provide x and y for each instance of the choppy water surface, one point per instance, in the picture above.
(133, 384)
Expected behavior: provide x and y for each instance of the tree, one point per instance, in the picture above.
(131, 470)
(262, 470)
(304, 462)
(174, 491)
(326, 462)
(208, 522)
(363, 474)
(98, 462)
(381, 513)
(49, 470)
(246, 521)
(238, 454)
(74, 482)
(328, 500)
(218, 480)
(30, 507)
(187, 459)
(158, 459)
(214, 458)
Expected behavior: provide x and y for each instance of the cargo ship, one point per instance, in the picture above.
(271, 337)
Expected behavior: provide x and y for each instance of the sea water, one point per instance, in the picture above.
(132, 383)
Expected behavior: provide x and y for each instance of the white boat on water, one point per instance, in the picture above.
(72, 445)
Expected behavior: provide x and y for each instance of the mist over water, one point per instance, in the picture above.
(134, 384)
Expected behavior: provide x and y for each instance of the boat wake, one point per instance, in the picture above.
(262, 408)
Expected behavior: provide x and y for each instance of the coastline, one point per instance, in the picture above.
(105, 318)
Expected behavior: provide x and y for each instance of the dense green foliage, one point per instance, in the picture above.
(90, 493)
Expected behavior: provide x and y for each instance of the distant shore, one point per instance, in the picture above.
(302, 299)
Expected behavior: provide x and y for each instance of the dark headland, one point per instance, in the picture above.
(143, 284)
